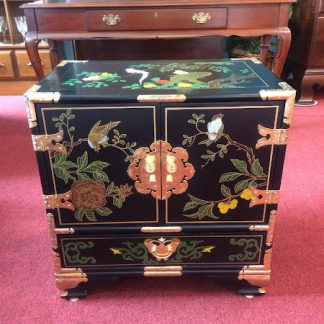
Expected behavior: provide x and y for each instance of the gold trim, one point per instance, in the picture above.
(44, 143)
(271, 136)
(161, 229)
(258, 275)
(261, 197)
(166, 271)
(259, 228)
(59, 201)
(286, 93)
(162, 98)
(65, 278)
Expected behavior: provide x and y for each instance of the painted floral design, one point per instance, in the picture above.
(246, 174)
(93, 192)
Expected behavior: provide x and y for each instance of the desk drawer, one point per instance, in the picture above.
(160, 19)
(6, 68)
(93, 251)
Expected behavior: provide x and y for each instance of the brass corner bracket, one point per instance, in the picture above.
(261, 197)
(44, 143)
(59, 201)
(271, 136)
(258, 275)
(286, 93)
(163, 271)
(32, 97)
(266, 228)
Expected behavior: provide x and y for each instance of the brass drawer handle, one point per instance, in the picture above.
(111, 20)
(201, 17)
(1, 65)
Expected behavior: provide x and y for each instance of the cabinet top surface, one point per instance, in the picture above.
(144, 3)
(126, 80)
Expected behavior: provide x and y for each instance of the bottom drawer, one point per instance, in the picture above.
(97, 251)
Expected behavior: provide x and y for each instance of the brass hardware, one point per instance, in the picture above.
(271, 136)
(286, 93)
(162, 98)
(266, 228)
(162, 229)
(1, 65)
(201, 17)
(111, 20)
(258, 275)
(167, 271)
(156, 15)
(44, 143)
(59, 201)
(32, 97)
(267, 197)
(65, 278)
(161, 170)
(162, 248)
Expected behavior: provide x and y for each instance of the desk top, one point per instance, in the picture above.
(143, 3)
(126, 80)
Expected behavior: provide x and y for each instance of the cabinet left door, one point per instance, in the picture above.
(84, 152)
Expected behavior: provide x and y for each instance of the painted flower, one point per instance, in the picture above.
(215, 127)
(125, 191)
(88, 194)
(247, 194)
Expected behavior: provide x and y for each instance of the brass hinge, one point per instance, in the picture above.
(266, 228)
(163, 271)
(45, 143)
(32, 97)
(162, 229)
(287, 93)
(59, 201)
(261, 197)
(162, 98)
(271, 136)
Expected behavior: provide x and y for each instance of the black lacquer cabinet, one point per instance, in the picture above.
(161, 168)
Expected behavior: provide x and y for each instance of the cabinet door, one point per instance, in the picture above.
(85, 158)
(221, 142)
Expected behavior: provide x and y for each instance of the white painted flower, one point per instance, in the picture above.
(215, 127)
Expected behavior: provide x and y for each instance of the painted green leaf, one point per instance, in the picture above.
(82, 176)
(61, 173)
(118, 202)
(90, 215)
(68, 165)
(104, 211)
(110, 188)
(191, 121)
(100, 176)
(240, 186)
(59, 158)
(197, 200)
(82, 160)
(240, 165)
(78, 214)
(229, 176)
(253, 184)
(190, 205)
(256, 168)
(95, 166)
(206, 211)
(226, 192)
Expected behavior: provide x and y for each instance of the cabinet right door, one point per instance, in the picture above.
(221, 142)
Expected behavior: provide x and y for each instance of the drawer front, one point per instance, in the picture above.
(25, 67)
(160, 19)
(6, 67)
(107, 251)
(317, 57)
(84, 172)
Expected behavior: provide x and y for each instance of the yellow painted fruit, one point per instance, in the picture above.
(105, 74)
(233, 204)
(184, 85)
(246, 194)
(149, 85)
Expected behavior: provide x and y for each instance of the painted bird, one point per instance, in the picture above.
(215, 127)
(134, 71)
(98, 134)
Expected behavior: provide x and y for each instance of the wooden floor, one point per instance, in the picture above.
(10, 88)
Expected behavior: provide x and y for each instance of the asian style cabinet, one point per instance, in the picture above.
(160, 168)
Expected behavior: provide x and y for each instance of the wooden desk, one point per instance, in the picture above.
(148, 19)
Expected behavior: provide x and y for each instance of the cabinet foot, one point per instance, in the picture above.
(250, 291)
(75, 294)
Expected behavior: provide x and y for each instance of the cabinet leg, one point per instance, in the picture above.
(307, 91)
(265, 43)
(282, 52)
(31, 43)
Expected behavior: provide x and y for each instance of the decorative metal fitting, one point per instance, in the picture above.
(162, 98)
(162, 229)
(262, 197)
(59, 201)
(44, 143)
(201, 17)
(162, 248)
(167, 271)
(271, 136)
(111, 20)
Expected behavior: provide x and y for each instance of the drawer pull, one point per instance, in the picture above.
(1, 65)
(111, 20)
(201, 17)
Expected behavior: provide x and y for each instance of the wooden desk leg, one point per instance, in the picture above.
(31, 43)
(265, 43)
(282, 52)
